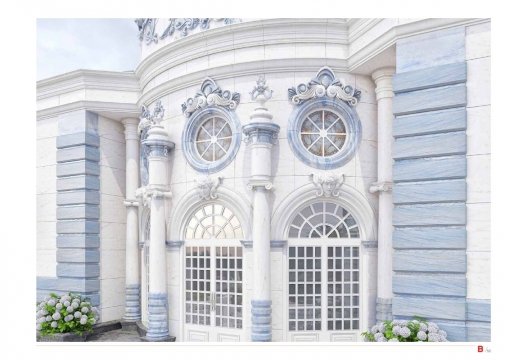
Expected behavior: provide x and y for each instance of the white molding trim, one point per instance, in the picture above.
(191, 202)
(116, 111)
(348, 197)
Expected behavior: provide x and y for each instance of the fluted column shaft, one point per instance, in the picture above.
(384, 96)
(132, 257)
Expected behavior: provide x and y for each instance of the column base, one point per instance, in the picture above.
(157, 317)
(132, 304)
(383, 309)
(261, 320)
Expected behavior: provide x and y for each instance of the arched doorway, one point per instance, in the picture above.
(213, 275)
(324, 273)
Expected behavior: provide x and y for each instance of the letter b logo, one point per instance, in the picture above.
(480, 348)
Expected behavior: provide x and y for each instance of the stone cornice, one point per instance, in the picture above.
(87, 79)
(115, 111)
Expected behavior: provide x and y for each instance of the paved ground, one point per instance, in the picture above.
(120, 335)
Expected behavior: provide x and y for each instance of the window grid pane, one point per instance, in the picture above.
(197, 285)
(213, 221)
(229, 287)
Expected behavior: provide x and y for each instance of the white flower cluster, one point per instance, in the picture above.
(402, 329)
(50, 311)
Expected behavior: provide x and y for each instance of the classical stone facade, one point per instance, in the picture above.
(274, 179)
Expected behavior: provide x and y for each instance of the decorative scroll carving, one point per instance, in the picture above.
(327, 184)
(261, 91)
(382, 186)
(210, 95)
(146, 30)
(324, 84)
(147, 120)
(207, 187)
(184, 25)
(147, 194)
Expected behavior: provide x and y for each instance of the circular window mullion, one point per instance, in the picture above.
(211, 139)
(324, 133)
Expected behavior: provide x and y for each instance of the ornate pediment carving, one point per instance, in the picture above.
(206, 187)
(210, 95)
(327, 184)
(326, 84)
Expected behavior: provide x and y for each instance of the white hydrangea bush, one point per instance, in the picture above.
(64, 314)
(417, 330)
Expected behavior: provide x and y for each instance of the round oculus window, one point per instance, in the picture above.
(323, 133)
(213, 138)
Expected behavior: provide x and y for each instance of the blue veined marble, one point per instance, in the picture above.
(72, 255)
(81, 167)
(78, 270)
(435, 76)
(449, 261)
(82, 211)
(82, 138)
(157, 317)
(76, 285)
(456, 330)
(435, 48)
(451, 143)
(430, 99)
(426, 237)
(478, 310)
(80, 152)
(80, 182)
(429, 191)
(78, 226)
(478, 331)
(430, 122)
(78, 197)
(447, 167)
(447, 308)
(430, 214)
(430, 284)
(132, 303)
(261, 319)
(78, 121)
(78, 241)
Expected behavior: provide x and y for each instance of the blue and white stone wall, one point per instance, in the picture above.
(478, 57)
(112, 217)
(433, 183)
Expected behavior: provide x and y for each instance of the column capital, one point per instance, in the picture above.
(259, 183)
(157, 141)
(383, 81)
(380, 186)
(131, 128)
(261, 132)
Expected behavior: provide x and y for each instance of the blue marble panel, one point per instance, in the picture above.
(78, 270)
(80, 182)
(80, 152)
(82, 138)
(81, 167)
(46, 283)
(456, 330)
(430, 214)
(78, 121)
(77, 241)
(78, 226)
(448, 167)
(78, 285)
(77, 256)
(430, 284)
(479, 310)
(451, 143)
(478, 331)
(78, 212)
(429, 307)
(93, 297)
(429, 191)
(441, 75)
(78, 197)
(430, 99)
(430, 122)
(431, 49)
(426, 237)
(444, 261)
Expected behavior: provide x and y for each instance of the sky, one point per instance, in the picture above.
(65, 45)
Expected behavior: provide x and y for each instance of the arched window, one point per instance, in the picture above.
(214, 221)
(324, 298)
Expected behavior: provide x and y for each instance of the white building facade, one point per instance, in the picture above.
(274, 179)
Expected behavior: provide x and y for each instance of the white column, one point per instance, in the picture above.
(156, 193)
(384, 95)
(261, 133)
(132, 257)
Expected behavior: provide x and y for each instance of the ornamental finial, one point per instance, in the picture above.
(261, 91)
(147, 120)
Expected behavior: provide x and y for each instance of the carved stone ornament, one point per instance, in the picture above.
(206, 187)
(261, 91)
(147, 120)
(327, 184)
(210, 95)
(382, 186)
(324, 84)
(147, 194)
(182, 26)
(146, 30)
